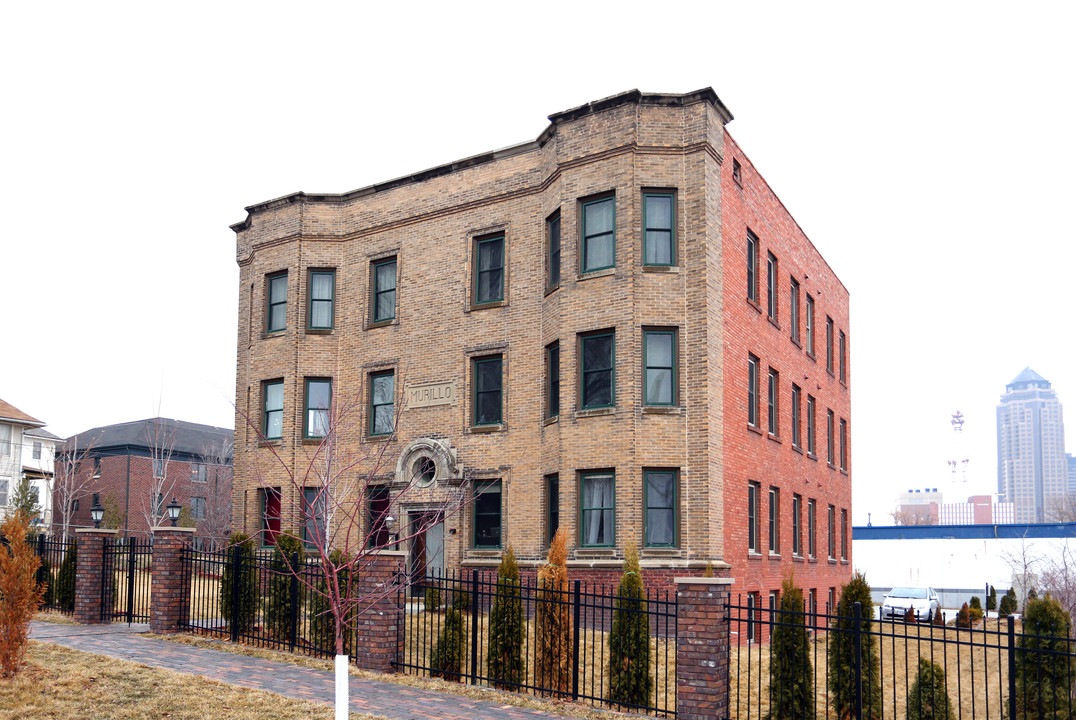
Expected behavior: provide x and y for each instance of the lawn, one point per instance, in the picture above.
(58, 682)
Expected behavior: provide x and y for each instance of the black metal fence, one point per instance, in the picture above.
(992, 670)
(591, 608)
(59, 580)
(126, 580)
(260, 602)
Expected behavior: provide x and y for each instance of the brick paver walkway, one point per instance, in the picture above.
(398, 702)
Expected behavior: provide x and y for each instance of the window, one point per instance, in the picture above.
(752, 390)
(273, 414)
(831, 524)
(829, 344)
(812, 608)
(552, 508)
(316, 407)
(489, 270)
(276, 304)
(96, 499)
(812, 525)
(775, 521)
(771, 401)
(158, 507)
(596, 370)
(319, 313)
(552, 233)
(96, 467)
(552, 380)
(659, 354)
(831, 603)
(382, 402)
(844, 444)
(844, 534)
(487, 515)
(314, 515)
(794, 309)
(752, 617)
(487, 378)
(830, 452)
(737, 171)
(796, 435)
(771, 286)
(198, 472)
(660, 508)
(383, 302)
(378, 506)
(598, 509)
(808, 323)
(5, 440)
(775, 604)
(797, 540)
(811, 450)
(5, 488)
(752, 267)
(842, 356)
(752, 517)
(197, 508)
(659, 236)
(159, 467)
(37, 450)
(599, 234)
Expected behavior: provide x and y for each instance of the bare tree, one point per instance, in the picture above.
(1057, 576)
(913, 515)
(1062, 509)
(335, 481)
(70, 482)
(215, 524)
(1026, 565)
(161, 441)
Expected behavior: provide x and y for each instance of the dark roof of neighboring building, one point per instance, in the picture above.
(964, 532)
(42, 433)
(12, 414)
(1027, 377)
(185, 438)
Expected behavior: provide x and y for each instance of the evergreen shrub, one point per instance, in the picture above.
(630, 681)
(506, 628)
(553, 621)
(928, 698)
(791, 677)
(241, 617)
(842, 653)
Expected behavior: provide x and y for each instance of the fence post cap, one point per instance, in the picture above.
(703, 580)
(95, 531)
(169, 528)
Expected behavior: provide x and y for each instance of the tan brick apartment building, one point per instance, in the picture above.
(616, 328)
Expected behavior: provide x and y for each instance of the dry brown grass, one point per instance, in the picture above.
(976, 677)
(55, 617)
(59, 682)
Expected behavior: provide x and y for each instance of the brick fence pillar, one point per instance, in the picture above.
(702, 646)
(170, 594)
(90, 574)
(379, 623)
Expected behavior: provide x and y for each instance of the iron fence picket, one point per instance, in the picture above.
(52, 552)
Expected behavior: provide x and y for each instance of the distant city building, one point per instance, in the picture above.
(1032, 470)
(978, 510)
(26, 450)
(1072, 473)
(918, 507)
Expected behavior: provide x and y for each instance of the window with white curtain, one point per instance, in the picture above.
(598, 509)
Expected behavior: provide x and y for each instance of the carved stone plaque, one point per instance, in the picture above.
(430, 394)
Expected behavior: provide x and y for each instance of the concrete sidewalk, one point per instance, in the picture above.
(391, 700)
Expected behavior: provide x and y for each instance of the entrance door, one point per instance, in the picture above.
(427, 548)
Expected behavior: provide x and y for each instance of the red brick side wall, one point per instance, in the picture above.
(170, 596)
(702, 648)
(378, 624)
(88, 576)
(753, 455)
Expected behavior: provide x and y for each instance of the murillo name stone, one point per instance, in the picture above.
(431, 394)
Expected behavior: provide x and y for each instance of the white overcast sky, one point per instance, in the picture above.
(927, 149)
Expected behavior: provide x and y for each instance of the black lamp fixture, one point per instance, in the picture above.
(97, 513)
(173, 511)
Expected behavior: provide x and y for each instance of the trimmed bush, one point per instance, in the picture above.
(240, 617)
(992, 600)
(553, 621)
(791, 677)
(842, 653)
(20, 593)
(939, 618)
(1044, 667)
(446, 660)
(975, 608)
(65, 581)
(277, 605)
(909, 616)
(506, 628)
(322, 624)
(433, 599)
(630, 682)
(461, 600)
(963, 617)
(928, 699)
(1008, 604)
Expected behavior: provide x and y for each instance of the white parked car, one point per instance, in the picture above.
(922, 600)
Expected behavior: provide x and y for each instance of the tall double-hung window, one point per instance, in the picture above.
(552, 233)
(752, 267)
(659, 234)
(597, 370)
(487, 374)
(660, 508)
(273, 409)
(771, 286)
(383, 297)
(318, 397)
(598, 508)
(276, 302)
(489, 270)
(659, 349)
(322, 298)
(382, 402)
(599, 234)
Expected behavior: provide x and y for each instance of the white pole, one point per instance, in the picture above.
(341, 687)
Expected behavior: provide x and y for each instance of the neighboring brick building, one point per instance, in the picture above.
(136, 468)
(616, 328)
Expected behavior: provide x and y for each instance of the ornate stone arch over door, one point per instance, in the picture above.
(429, 461)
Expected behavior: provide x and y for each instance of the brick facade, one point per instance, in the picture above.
(625, 148)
